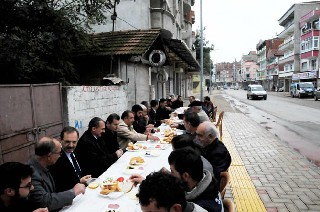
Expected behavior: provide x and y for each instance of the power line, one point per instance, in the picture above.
(124, 20)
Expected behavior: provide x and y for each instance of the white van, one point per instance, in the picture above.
(302, 89)
(256, 92)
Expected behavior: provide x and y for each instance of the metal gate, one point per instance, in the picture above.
(28, 112)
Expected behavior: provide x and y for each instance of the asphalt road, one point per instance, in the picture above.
(294, 121)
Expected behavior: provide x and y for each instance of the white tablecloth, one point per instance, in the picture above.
(93, 201)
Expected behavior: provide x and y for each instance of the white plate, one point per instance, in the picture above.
(133, 150)
(112, 195)
(136, 170)
(141, 142)
(152, 154)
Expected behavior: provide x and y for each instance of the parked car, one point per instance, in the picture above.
(256, 92)
(281, 89)
(301, 89)
(317, 94)
(232, 87)
(236, 87)
(225, 87)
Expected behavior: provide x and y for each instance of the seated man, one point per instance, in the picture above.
(15, 187)
(47, 152)
(200, 186)
(163, 192)
(91, 152)
(110, 137)
(127, 134)
(153, 113)
(212, 148)
(140, 123)
(186, 140)
(163, 111)
(67, 164)
(196, 106)
(191, 99)
(177, 103)
(208, 106)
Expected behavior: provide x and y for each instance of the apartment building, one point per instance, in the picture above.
(309, 48)
(249, 69)
(267, 74)
(291, 35)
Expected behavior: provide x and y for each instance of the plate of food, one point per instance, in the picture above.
(133, 170)
(134, 147)
(115, 188)
(137, 161)
(111, 194)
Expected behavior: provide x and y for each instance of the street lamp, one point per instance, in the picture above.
(201, 52)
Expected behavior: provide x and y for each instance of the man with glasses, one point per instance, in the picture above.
(212, 148)
(15, 186)
(67, 171)
(44, 194)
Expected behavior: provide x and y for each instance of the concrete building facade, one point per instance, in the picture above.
(291, 35)
(309, 47)
(174, 16)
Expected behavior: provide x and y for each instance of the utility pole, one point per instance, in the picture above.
(201, 52)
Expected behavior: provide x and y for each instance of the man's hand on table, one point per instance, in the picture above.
(174, 125)
(119, 153)
(79, 188)
(136, 178)
(84, 179)
(154, 138)
(41, 210)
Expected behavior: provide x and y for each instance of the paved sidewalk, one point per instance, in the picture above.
(284, 179)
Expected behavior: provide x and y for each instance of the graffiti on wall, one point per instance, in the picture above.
(86, 88)
(78, 124)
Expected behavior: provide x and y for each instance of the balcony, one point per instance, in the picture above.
(287, 32)
(287, 44)
(311, 16)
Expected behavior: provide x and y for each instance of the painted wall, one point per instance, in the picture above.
(82, 103)
(138, 88)
(132, 15)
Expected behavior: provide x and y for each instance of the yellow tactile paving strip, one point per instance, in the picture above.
(245, 195)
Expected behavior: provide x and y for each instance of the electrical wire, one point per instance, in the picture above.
(124, 20)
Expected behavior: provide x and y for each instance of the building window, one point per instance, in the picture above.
(304, 66)
(309, 44)
(315, 42)
(313, 65)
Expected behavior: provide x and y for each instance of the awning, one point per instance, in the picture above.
(179, 52)
(289, 74)
(138, 43)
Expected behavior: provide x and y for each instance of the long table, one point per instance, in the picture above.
(92, 200)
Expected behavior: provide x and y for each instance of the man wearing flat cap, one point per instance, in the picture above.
(196, 106)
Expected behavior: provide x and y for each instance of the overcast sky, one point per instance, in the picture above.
(236, 26)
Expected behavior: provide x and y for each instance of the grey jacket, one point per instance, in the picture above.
(127, 134)
(44, 195)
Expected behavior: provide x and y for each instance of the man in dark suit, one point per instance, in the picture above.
(110, 138)
(153, 113)
(91, 151)
(44, 194)
(67, 172)
(163, 111)
(177, 103)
